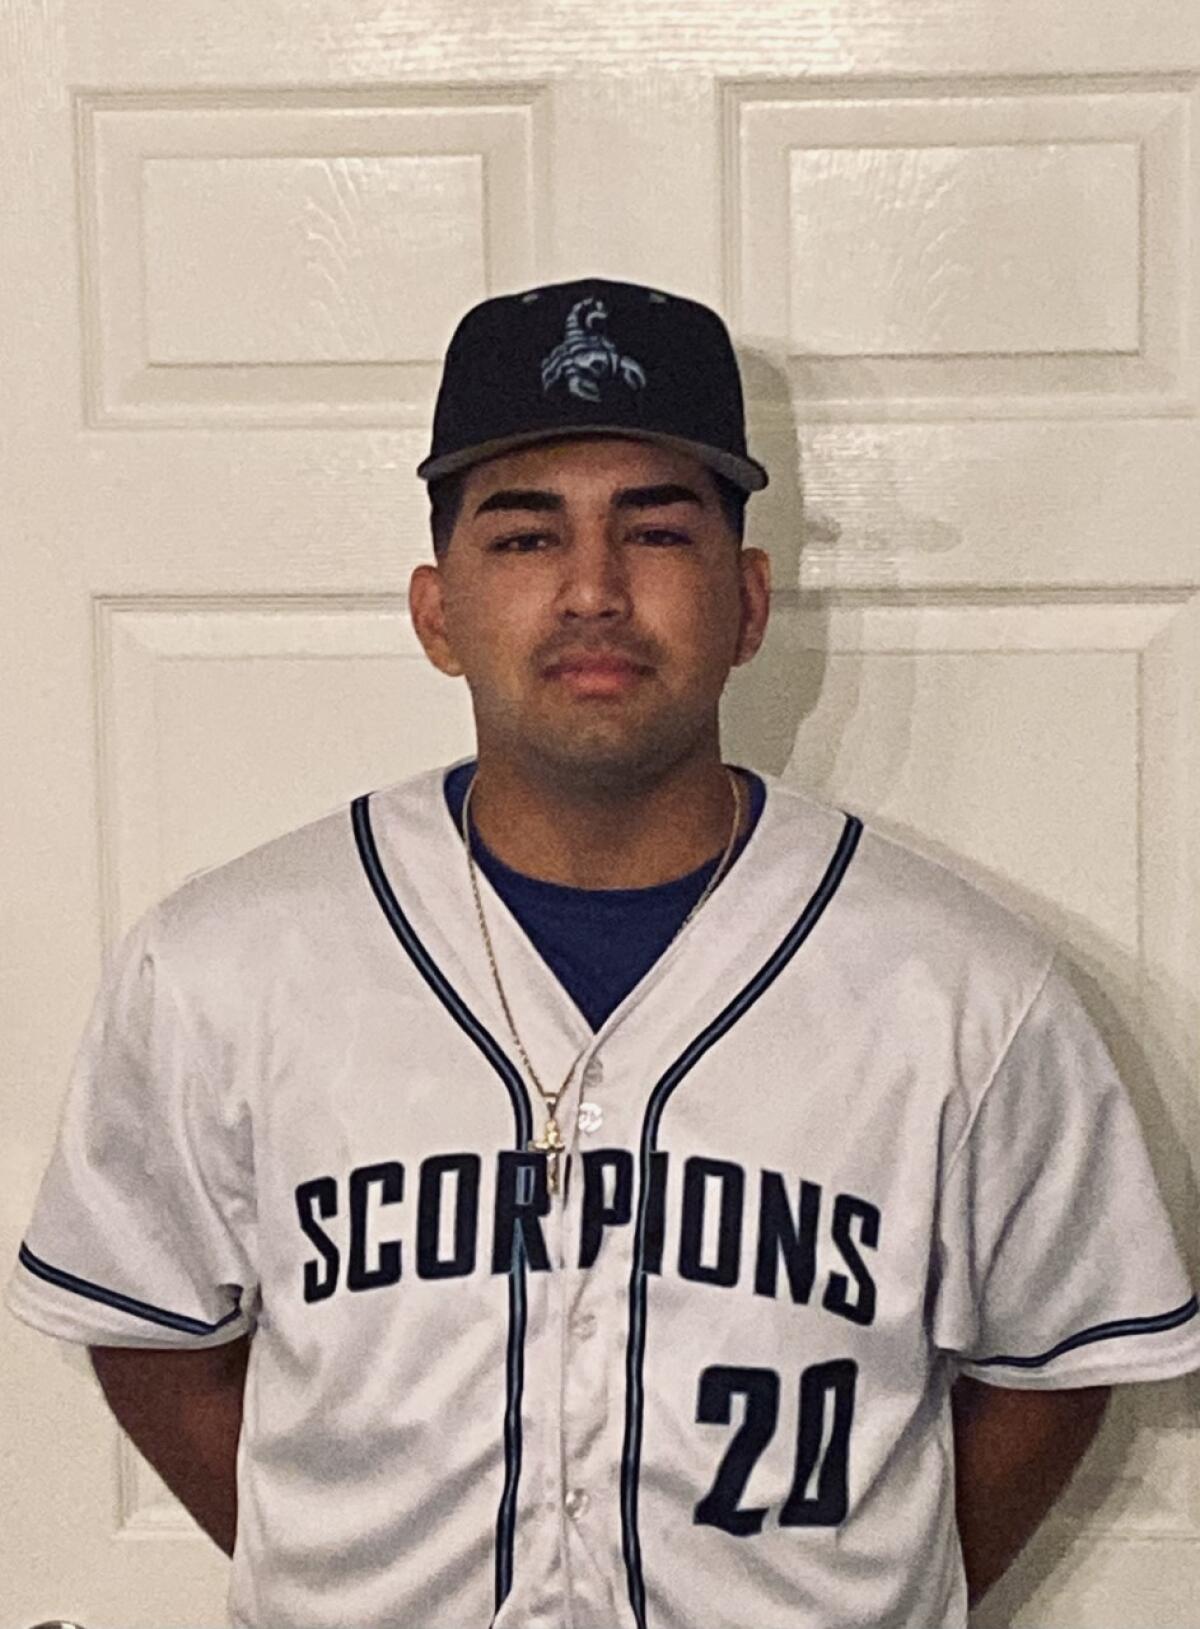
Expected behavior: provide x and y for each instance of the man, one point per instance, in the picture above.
(776, 1274)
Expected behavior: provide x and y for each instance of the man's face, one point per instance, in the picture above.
(592, 546)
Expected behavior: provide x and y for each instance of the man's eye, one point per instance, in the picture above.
(504, 544)
(659, 532)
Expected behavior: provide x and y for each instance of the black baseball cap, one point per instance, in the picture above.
(591, 357)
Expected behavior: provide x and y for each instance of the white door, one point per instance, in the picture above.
(957, 246)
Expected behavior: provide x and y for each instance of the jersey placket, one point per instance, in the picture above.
(591, 1309)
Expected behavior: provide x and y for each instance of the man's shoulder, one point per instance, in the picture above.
(897, 895)
(293, 882)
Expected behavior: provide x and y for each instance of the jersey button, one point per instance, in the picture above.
(591, 1117)
(584, 1326)
(593, 1072)
(576, 1503)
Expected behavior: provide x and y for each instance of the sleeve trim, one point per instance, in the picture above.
(123, 1303)
(1099, 1332)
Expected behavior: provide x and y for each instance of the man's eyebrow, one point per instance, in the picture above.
(629, 497)
(656, 497)
(521, 498)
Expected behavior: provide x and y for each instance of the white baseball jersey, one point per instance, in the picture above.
(850, 1135)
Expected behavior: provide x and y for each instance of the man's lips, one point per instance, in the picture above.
(597, 676)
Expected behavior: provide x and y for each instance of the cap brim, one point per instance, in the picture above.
(744, 472)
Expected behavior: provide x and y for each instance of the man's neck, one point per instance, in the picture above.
(639, 840)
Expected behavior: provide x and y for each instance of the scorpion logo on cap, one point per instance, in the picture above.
(585, 356)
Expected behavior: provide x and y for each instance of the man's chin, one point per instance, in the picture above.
(596, 759)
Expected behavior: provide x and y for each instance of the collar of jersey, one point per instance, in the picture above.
(566, 893)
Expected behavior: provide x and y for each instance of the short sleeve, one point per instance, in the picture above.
(1056, 1261)
(142, 1233)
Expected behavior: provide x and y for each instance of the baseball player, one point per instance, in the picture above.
(591, 1185)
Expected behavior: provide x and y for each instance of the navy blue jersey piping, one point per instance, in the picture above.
(522, 1131)
(635, 1351)
(123, 1303)
(1115, 1329)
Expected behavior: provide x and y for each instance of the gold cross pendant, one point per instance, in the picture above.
(551, 1144)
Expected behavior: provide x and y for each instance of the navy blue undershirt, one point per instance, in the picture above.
(600, 942)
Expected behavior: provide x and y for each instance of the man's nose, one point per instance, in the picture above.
(595, 567)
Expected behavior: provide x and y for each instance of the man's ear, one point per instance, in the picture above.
(427, 608)
(755, 589)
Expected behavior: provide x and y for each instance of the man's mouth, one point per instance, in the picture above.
(600, 676)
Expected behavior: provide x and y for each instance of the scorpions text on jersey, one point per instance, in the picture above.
(793, 1222)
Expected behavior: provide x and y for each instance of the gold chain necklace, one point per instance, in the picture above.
(550, 1142)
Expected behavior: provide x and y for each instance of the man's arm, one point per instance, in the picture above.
(183, 1412)
(1015, 1452)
